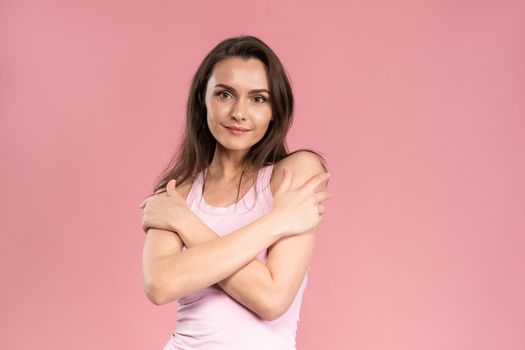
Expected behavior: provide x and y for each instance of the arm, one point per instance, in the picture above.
(197, 268)
(287, 261)
(269, 288)
(251, 285)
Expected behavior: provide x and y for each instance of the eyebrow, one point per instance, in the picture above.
(251, 91)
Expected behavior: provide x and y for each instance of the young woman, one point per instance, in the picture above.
(236, 267)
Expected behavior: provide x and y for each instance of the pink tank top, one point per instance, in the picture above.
(210, 319)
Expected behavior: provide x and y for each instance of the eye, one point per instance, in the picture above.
(262, 99)
(222, 93)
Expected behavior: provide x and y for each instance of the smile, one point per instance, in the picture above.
(236, 132)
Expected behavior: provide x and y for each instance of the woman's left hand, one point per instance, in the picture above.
(165, 211)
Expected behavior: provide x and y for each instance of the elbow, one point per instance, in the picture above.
(161, 288)
(273, 311)
(160, 293)
(155, 293)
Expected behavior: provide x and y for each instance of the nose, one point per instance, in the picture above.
(238, 111)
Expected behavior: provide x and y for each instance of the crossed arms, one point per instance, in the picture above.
(266, 289)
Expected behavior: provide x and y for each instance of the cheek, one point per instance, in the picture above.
(263, 118)
(217, 110)
(214, 111)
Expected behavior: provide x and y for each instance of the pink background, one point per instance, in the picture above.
(418, 106)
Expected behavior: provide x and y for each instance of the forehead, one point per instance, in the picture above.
(240, 73)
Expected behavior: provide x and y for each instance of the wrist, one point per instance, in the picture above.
(182, 222)
(274, 225)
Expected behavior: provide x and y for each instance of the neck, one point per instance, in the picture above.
(228, 165)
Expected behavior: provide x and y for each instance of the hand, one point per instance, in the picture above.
(165, 211)
(298, 210)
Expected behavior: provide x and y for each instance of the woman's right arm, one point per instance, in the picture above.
(171, 275)
(205, 264)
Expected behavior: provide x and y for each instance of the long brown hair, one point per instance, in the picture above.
(196, 149)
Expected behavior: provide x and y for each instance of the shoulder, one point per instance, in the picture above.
(302, 160)
(303, 164)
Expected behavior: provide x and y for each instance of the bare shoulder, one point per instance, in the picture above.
(303, 165)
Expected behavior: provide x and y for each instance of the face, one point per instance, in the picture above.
(237, 95)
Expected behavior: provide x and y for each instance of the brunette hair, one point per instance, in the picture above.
(196, 149)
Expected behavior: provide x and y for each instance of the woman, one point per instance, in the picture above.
(237, 270)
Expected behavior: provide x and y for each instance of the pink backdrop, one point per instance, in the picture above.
(418, 106)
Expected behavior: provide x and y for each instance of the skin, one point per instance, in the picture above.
(267, 289)
(234, 106)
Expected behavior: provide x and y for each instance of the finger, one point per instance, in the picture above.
(143, 204)
(145, 201)
(170, 187)
(316, 180)
(322, 196)
(146, 225)
(157, 193)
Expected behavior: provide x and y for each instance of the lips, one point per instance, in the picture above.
(236, 131)
(237, 128)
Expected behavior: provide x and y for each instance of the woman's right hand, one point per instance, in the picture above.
(298, 211)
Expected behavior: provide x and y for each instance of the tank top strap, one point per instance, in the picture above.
(263, 179)
(195, 190)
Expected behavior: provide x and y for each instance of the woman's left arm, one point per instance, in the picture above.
(274, 285)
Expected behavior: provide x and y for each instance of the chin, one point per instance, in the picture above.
(236, 146)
